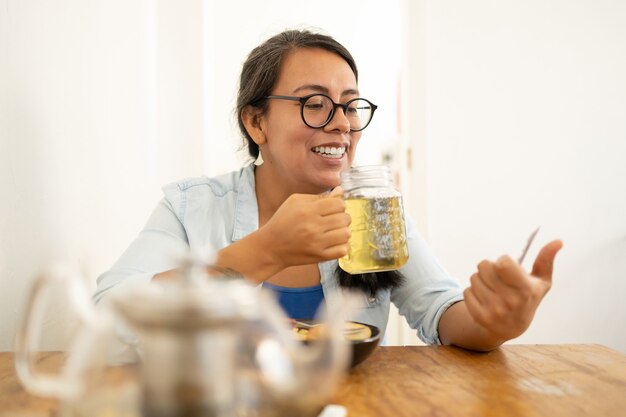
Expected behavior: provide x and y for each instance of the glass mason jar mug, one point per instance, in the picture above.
(378, 241)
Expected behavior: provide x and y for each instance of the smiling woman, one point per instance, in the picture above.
(101, 102)
(283, 224)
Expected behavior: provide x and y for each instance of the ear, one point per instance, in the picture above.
(253, 121)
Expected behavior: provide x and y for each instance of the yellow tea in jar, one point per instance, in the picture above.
(378, 240)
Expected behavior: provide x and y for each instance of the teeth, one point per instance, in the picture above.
(327, 150)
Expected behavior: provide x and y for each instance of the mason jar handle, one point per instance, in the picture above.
(68, 383)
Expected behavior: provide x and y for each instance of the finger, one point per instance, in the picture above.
(335, 237)
(474, 307)
(490, 278)
(510, 272)
(482, 292)
(328, 206)
(303, 202)
(336, 192)
(501, 297)
(334, 221)
(335, 252)
(544, 263)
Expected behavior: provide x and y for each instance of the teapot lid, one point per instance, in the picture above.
(192, 300)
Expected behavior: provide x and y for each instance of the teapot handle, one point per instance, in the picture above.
(70, 382)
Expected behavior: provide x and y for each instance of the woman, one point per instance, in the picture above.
(278, 224)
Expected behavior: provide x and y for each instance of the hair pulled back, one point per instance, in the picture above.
(261, 69)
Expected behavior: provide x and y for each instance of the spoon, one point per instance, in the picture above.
(304, 325)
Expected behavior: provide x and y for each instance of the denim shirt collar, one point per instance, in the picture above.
(246, 208)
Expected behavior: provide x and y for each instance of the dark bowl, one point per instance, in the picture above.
(362, 349)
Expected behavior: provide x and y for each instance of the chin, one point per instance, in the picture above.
(330, 185)
(322, 185)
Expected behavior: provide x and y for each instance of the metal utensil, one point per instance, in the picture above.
(528, 243)
(308, 326)
(304, 325)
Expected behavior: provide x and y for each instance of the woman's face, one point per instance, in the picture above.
(291, 151)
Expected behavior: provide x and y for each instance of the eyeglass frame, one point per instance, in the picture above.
(344, 107)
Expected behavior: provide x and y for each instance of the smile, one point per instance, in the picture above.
(329, 152)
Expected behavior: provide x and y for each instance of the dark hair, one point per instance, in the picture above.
(370, 283)
(261, 69)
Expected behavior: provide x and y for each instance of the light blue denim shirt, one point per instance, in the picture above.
(207, 214)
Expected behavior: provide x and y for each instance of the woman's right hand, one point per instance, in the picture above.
(307, 229)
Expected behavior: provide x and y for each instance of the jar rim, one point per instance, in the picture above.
(366, 176)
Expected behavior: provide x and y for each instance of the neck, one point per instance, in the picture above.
(270, 193)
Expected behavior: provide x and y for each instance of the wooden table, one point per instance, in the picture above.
(515, 380)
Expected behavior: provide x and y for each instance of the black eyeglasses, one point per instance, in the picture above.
(317, 110)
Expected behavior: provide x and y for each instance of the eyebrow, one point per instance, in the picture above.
(322, 89)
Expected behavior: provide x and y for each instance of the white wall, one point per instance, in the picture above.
(525, 125)
(84, 145)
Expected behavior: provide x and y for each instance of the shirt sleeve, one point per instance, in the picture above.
(428, 289)
(152, 252)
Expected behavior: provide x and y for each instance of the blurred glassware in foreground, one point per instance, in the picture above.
(208, 346)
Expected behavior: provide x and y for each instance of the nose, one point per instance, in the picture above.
(339, 122)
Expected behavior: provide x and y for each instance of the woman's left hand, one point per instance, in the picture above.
(503, 297)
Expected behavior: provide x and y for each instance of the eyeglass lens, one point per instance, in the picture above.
(318, 110)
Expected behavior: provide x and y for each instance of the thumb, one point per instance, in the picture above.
(542, 268)
(335, 192)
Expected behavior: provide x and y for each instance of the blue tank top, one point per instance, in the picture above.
(298, 303)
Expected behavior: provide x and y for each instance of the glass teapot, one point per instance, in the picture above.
(207, 346)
